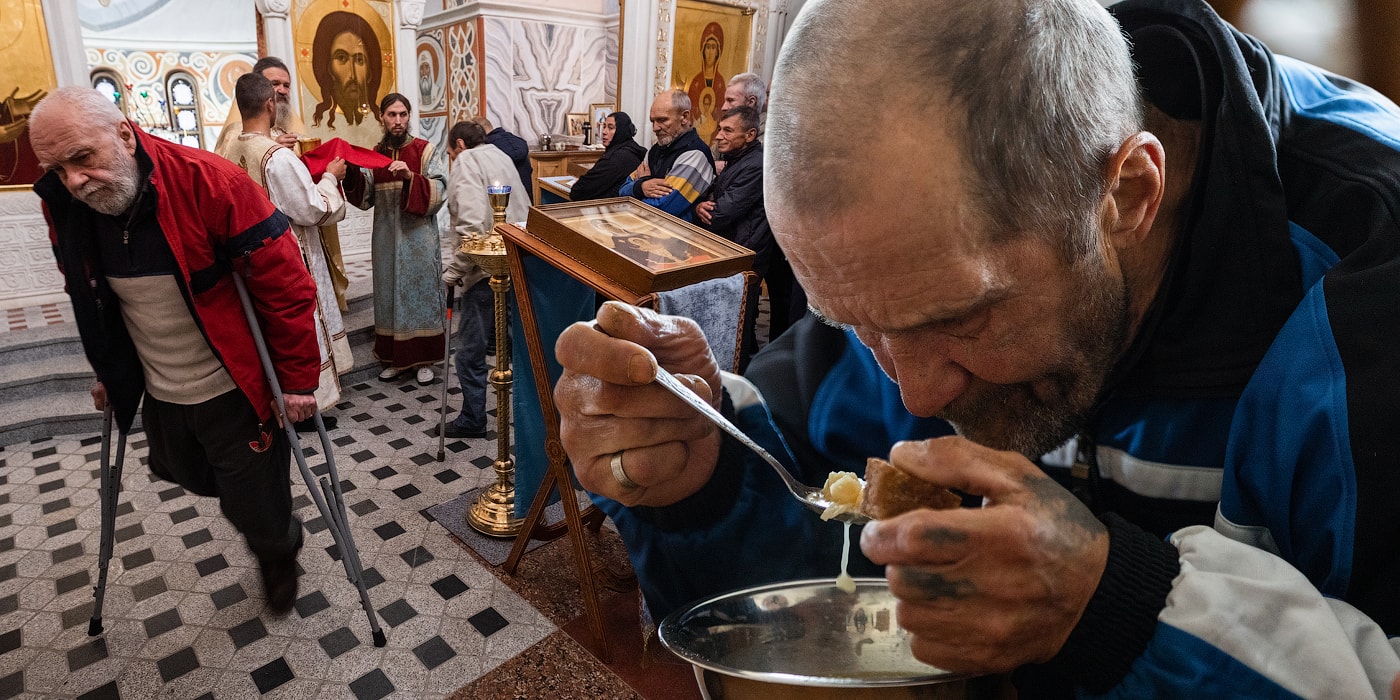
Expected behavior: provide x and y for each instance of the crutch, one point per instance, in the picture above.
(330, 500)
(109, 488)
(446, 373)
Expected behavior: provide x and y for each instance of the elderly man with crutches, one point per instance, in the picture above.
(147, 234)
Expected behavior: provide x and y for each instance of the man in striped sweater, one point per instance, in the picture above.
(679, 169)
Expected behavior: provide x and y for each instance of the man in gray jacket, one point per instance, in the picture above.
(476, 165)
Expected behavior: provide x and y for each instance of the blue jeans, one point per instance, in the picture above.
(473, 330)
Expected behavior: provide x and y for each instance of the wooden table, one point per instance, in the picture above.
(556, 163)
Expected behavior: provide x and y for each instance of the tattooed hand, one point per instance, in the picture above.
(985, 590)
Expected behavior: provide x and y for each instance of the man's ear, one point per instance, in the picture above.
(127, 135)
(1136, 182)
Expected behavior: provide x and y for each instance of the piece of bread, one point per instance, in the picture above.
(890, 491)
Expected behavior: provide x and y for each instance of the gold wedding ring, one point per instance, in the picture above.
(621, 474)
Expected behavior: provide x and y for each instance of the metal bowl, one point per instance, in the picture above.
(801, 633)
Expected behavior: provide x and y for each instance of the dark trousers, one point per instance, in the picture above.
(475, 328)
(218, 448)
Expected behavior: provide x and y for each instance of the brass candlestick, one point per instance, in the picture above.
(493, 513)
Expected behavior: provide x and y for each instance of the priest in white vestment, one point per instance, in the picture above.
(308, 205)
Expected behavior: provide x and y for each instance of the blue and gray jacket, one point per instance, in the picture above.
(1243, 454)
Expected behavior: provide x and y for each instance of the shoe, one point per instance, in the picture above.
(280, 583)
(457, 432)
(390, 373)
(425, 375)
(309, 425)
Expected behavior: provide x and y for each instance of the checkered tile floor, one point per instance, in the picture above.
(184, 611)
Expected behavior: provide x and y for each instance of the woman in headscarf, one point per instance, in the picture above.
(621, 156)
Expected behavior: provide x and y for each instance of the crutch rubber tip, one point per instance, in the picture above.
(94, 627)
(379, 639)
(441, 455)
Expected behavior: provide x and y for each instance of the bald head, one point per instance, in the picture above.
(670, 116)
(78, 134)
(78, 103)
(1036, 94)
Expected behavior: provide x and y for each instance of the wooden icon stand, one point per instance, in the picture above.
(520, 243)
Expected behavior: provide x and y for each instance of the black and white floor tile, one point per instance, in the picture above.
(185, 611)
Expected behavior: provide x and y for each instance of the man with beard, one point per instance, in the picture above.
(348, 65)
(286, 127)
(678, 170)
(1189, 268)
(406, 195)
(147, 233)
(309, 205)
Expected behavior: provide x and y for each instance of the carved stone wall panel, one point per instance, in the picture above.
(355, 232)
(28, 274)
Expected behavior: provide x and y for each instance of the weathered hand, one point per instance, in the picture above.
(99, 396)
(705, 211)
(299, 407)
(287, 140)
(985, 590)
(655, 189)
(608, 404)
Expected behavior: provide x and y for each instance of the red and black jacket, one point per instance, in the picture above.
(216, 220)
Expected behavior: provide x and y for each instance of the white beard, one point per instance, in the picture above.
(116, 196)
(282, 116)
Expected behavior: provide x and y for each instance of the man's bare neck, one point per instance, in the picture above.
(258, 125)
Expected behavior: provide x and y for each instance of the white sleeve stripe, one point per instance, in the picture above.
(1252, 535)
(1160, 480)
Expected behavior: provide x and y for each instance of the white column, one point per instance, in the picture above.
(778, 22)
(65, 42)
(409, 14)
(640, 55)
(277, 32)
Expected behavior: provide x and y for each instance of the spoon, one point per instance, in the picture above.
(809, 496)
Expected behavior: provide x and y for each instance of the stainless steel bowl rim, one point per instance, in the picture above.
(671, 626)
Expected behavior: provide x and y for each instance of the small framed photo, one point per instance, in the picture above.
(598, 112)
(638, 246)
(573, 123)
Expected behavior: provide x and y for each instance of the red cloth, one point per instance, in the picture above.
(319, 157)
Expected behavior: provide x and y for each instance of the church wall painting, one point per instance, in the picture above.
(450, 82)
(27, 77)
(432, 73)
(144, 75)
(711, 46)
(345, 65)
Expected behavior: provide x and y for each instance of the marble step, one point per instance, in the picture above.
(45, 375)
(18, 347)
